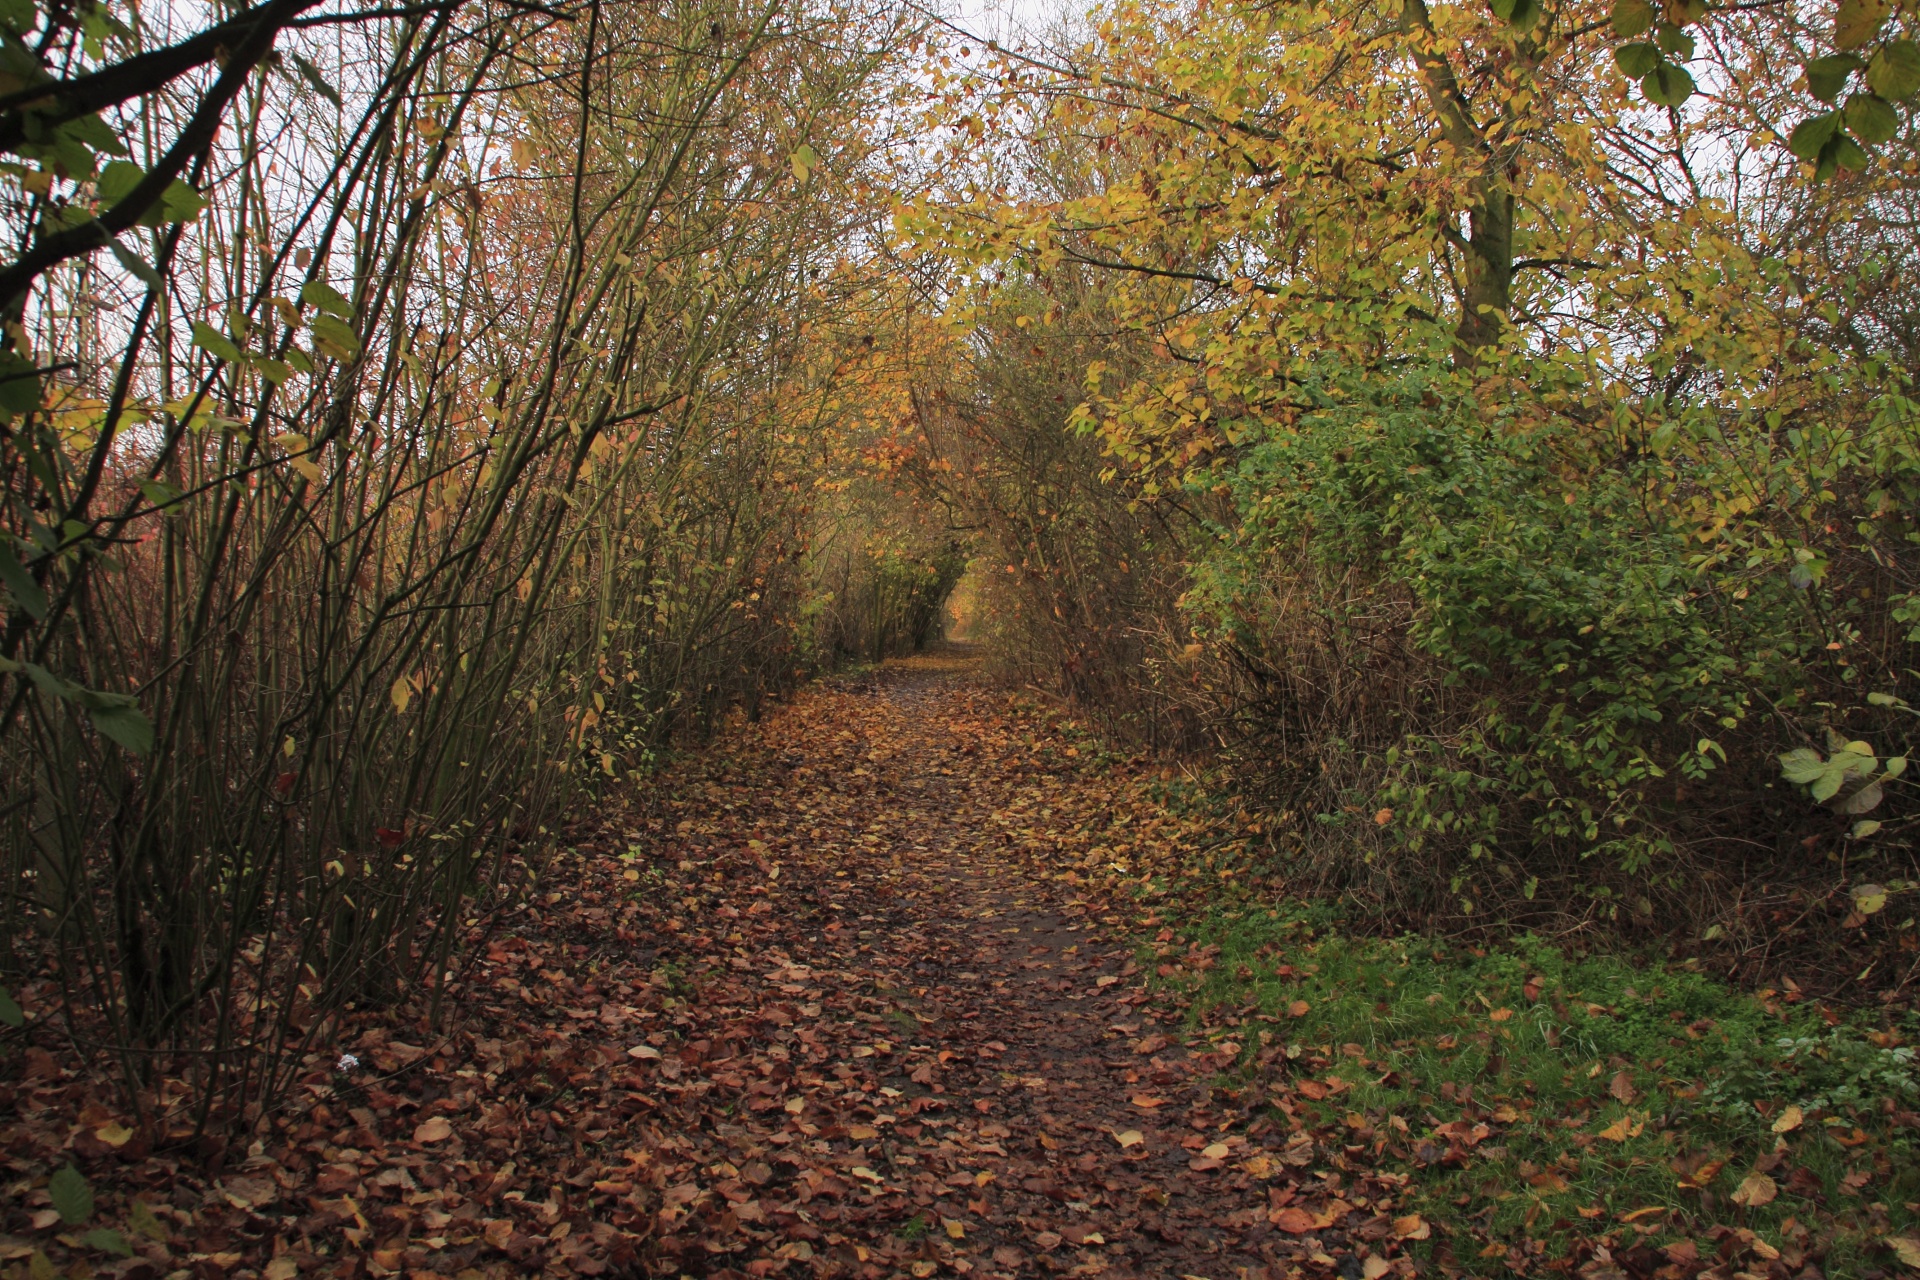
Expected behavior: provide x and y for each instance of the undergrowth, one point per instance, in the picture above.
(1545, 1096)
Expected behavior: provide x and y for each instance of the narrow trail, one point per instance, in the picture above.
(959, 1067)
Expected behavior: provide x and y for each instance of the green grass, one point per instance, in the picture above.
(1548, 1043)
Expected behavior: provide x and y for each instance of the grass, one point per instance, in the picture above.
(1622, 1098)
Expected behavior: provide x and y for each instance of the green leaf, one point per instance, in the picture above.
(18, 16)
(119, 719)
(1802, 765)
(298, 359)
(1631, 17)
(95, 133)
(161, 494)
(1895, 766)
(1813, 134)
(1848, 154)
(1857, 21)
(117, 179)
(318, 293)
(274, 371)
(334, 338)
(1827, 76)
(1667, 85)
(1871, 118)
(1864, 828)
(10, 1011)
(312, 75)
(1672, 40)
(181, 202)
(211, 339)
(19, 383)
(26, 593)
(1826, 785)
(72, 1197)
(1868, 899)
(804, 161)
(1636, 60)
(107, 1240)
(1895, 70)
(137, 267)
(1519, 14)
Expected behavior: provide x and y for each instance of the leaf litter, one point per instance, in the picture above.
(858, 992)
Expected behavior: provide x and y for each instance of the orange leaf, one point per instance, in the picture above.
(1293, 1221)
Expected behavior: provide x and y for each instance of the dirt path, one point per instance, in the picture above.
(960, 1068)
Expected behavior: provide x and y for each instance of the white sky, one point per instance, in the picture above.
(1007, 20)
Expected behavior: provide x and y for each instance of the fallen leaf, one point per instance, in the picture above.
(1129, 1138)
(1755, 1190)
(113, 1133)
(433, 1129)
(1622, 1129)
(1294, 1221)
(1906, 1248)
(1788, 1120)
(1621, 1086)
(1411, 1227)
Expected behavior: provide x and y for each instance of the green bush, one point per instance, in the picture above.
(1510, 634)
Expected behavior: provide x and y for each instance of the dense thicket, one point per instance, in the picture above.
(1506, 448)
(437, 446)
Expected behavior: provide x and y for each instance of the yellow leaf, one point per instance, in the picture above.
(1411, 1227)
(113, 1133)
(1622, 1129)
(1906, 1248)
(402, 695)
(1217, 1151)
(1789, 1120)
(1129, 1138)
(955, 1228)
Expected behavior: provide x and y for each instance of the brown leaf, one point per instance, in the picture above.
(433, 1129)
(1294, 1221)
